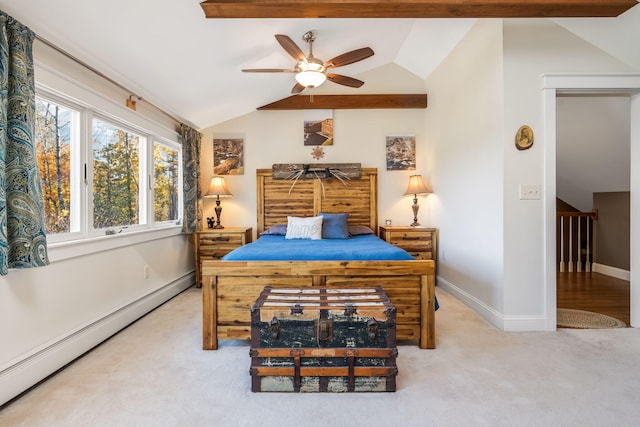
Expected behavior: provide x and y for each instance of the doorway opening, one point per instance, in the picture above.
(557, 85)
(592, 203)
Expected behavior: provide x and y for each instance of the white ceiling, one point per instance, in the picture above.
(167, 52)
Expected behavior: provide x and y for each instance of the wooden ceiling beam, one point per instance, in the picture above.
(414, 8)
(338, 102)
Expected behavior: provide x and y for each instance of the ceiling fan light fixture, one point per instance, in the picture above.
(311, 72)
(310, 78)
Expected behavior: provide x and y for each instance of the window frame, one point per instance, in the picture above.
(143, 192)
(76, 223)
(55, 87)
(151, 180)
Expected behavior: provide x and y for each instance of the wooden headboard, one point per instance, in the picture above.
(357, 196)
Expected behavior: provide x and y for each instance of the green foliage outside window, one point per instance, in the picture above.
(116, 156)
(116, 186)
(166, 184)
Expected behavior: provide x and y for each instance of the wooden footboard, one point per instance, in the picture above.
(230, 288)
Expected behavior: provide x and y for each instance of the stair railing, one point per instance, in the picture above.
(575, 240)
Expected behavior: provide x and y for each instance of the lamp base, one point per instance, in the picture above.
(218, 210)
(415, 208)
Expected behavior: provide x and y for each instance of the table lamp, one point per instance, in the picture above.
(217, 188)
(416, 186)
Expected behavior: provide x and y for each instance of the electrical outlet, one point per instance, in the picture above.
(530, 192)
(146, 272)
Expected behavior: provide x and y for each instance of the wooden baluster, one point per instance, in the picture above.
(579, 245)
(570, 244)
(587, 264)
(561, 244)
(571, 256)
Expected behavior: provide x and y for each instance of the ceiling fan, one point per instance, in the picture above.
(311, 71)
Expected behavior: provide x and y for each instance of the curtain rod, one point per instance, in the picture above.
(104, 76)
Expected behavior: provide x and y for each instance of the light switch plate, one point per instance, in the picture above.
(530, 192)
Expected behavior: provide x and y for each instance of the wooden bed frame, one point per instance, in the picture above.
(230, 288)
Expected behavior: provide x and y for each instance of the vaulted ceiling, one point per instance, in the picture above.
(169, 53)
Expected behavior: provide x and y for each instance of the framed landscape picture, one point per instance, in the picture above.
(228, 156)
(401, 152)
(318, 127)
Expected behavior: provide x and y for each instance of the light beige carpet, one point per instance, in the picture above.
(156, 374)
(580, 319)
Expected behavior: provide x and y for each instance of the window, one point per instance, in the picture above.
(166, 183)
(102, 175)
(56, 128)
(116, 176)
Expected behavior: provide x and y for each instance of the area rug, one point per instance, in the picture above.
(580, 319)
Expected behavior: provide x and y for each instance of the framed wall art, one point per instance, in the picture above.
(524, 138)
(318, 127)
(401, 152)
(228, 156)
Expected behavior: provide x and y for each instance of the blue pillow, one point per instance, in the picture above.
(334, 226)
(276, 230)
(358, 230)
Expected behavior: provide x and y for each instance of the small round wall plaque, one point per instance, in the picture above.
(524, 138)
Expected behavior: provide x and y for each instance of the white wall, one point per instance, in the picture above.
(635, 207)
(532, 48)
(464, 128)
(39, 305)
(491, 242)
(52, 314)
(359, 137)
(592, 147)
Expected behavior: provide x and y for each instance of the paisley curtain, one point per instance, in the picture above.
(191, 183)
(23, 242)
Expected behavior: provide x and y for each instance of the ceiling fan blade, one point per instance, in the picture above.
(349, 57)
(290, 46)
(344, 80)
(267, 70)
(297, 88)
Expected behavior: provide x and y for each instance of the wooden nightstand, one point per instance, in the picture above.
(420, 242)
(214, 243)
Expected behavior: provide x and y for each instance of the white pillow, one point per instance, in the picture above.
(304, 228)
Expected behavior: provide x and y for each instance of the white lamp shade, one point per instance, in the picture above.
(217, 187)
(416, 186)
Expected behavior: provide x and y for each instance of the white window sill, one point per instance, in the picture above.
(60, 251)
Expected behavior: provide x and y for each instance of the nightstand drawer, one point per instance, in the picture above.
(409, 236)
(410, 239)
(216, 243)
(420, 242)
(219, 239)
(216, 252)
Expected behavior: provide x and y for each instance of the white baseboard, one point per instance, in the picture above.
(618, 273)
(27, 372)
(522, 323)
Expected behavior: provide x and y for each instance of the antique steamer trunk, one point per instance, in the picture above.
(323, 340)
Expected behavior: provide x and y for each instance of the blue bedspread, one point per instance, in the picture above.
(356, 248)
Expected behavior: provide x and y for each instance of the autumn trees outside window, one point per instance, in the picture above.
(116, 171)
(166, 174)
(56, 126)
(101, 176)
